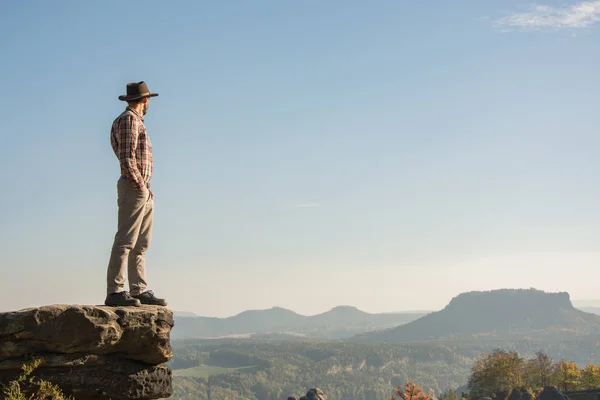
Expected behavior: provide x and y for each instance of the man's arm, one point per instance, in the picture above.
(128, 141)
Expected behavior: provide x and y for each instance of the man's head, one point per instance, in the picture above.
(138, 95)
(141, 104)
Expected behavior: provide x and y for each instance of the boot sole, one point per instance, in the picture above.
(122, 305)
(154, 304)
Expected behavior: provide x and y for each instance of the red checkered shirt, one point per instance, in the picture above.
(132, 146)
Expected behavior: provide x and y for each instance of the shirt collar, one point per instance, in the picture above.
(135, 112)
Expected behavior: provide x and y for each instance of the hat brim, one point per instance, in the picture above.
(131, 98)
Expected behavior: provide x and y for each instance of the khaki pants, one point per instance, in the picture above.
(135, 218)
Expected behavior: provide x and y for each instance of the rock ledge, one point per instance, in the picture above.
(91, 352)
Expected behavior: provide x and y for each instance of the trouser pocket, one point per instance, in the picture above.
(126, 194)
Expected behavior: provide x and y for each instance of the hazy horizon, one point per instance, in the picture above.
(577, 303)
(386, 156)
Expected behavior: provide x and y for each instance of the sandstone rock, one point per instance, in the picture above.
(91, 352)
(98, 377)
(137, 333)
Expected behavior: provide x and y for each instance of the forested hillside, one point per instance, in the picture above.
(269, 370)
(437, 350)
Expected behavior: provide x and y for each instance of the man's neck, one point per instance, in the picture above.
(139, 108)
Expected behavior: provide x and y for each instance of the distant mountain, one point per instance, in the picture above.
(498, 313)
(351, 318)
(184, 314)
(340, 315)
(274, 319)
(340, 322)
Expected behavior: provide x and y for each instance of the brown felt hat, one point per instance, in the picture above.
(136, 91)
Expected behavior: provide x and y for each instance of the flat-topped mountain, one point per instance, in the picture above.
(339, 322)
(495, 313)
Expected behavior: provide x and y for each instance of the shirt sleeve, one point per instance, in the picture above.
(128, 133)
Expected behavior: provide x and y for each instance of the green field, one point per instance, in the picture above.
(204, 371)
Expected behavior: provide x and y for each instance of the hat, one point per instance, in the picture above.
(136, 91)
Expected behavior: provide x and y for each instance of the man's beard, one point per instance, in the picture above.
(145, 108)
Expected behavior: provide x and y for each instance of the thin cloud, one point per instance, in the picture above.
(541, 17)
(306, 205)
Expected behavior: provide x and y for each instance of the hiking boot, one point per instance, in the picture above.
(121, 299)
(149, 298)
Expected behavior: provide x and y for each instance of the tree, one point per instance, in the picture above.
(567, 375)
(449, 394)
(590, 377)
(538, 370)
(497, 372)
(411, 391)
(17, 389)
(261, 391)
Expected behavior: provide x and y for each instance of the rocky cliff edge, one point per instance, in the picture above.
(91, 352)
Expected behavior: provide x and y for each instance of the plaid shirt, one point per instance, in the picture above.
(132, 146)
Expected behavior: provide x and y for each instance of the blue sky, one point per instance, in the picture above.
(387, 155)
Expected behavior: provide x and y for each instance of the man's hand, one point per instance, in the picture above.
(151, 194)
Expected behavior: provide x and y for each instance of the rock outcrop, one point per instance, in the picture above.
(312, 394)
(552, 393)
(91, 352)
(592, 394)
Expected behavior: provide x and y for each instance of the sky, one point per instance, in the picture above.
(387, 155)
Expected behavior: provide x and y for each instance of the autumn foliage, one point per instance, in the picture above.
(590, 377)
(504, 375)
(411, 391)
(495, 375)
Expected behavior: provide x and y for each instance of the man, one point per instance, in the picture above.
(135, 201)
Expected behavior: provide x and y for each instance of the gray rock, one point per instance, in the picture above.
(551, 393)
(314, 394)
(515, 394)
